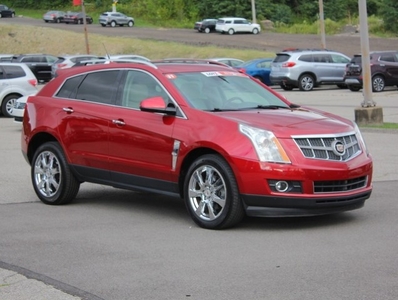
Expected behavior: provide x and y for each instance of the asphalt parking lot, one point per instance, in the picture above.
(115, 244)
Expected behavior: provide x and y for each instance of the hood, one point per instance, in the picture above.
(285, 122)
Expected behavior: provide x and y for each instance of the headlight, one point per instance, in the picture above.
(360, 138)
(19, 105)
(266, 144)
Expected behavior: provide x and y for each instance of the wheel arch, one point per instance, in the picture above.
(19, 95)
(309, 73)
(38, 140)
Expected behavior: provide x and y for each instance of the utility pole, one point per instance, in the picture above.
(254, 11)
(368, 113)
(85, 28)
(322, 25)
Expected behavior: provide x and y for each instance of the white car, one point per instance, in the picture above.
(19, 108)
(236, 25)
(16, 80)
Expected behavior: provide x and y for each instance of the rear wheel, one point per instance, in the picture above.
(103, 25)
(8, 105)
(306, 82)
(378, 83)
(207, 30)
(211, 193)
(287, 87)
(58, 20)
(51, 176)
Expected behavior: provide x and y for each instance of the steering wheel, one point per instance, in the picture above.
(233, 100)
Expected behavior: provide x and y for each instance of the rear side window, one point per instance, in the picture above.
(281, 58)
(69, 87)
(99, 87)
(388, 58)
(306, 58)
(13, 72)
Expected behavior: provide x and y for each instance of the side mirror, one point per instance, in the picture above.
(157, 105)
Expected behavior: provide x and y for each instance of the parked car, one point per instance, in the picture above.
(233, 62)
(68, 61)
(77, 18)
(54, 16)
(206, 25)
(19, 108)
(114, 19)
(226, 144)
(236, 25)
(383, 68)
(5, 11)
(308, 68)
(40, 64)
(259, 68)
(6, 57)
(16, 80)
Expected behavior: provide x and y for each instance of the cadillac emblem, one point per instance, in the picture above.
(338, 148)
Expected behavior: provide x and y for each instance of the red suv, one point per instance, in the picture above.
(225, 143)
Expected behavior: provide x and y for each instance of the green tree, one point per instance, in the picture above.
(389, 14)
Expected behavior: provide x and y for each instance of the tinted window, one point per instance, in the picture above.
(69, 87)
(336, 58)
(388, 58)
(322, 58)
(306, 57)
(13, 71)
(139, 86)
(238, 22)
(99, 87)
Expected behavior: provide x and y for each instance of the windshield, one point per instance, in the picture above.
(223, 90)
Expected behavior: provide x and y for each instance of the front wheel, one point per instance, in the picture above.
(306, 82)
(255, 31)
(51, 176)
(113, 24)
(378, 83)
(207, 30)
(7, 105)
(354, 88)
(231, 31)
(211, 193)
(130, 24)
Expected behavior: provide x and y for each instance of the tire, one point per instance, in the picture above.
(231, 31)
(354, 88)
(52, 179)
(286, 87)
(211, 193)
(8, 105)
(58, 21)
(45, 21)
(255, 31)
(342, 86)
(79, 22)
(130, 24)
(103, 25)
(378, 83)
(207, 30)
(306, 82)
(12, 15)
(113, 24)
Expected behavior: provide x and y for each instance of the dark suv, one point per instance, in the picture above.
(384, 71)
(5, 11)
(40, 64)
(206, 25)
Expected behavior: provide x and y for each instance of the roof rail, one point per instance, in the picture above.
(189, 61)
(304, 49)
(119, 60)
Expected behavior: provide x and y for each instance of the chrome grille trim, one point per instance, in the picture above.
(321, 146)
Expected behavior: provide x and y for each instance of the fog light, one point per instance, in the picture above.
(281, 186)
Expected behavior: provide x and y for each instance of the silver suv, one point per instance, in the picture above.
(115, 18)
(307, 68)
(16, 80)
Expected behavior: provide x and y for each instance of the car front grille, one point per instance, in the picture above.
(333, 186)
(334, 148)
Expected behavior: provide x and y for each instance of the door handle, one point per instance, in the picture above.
(118, 122)
(69, 110)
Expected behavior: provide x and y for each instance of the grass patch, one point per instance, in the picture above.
(384, 126)
(17, 39)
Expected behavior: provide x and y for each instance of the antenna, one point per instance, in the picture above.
(106, 51)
